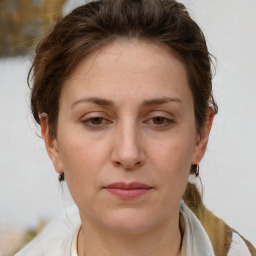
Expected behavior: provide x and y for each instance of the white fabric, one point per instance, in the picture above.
(195, 240)
(74, 243)
(59, 238)
(238, 247)
(56, 238)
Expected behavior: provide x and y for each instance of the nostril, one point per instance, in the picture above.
(128, 166)
(116, 163)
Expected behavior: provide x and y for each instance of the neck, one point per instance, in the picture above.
(163, 240)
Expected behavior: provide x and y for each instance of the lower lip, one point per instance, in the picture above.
(128, 193)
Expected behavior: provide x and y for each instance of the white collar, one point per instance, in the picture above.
(74, 248)
(195, 240)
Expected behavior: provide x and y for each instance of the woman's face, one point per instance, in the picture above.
(126, 136)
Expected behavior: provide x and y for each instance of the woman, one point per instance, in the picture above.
(122, 90)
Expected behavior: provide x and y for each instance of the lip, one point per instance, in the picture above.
(128, 190)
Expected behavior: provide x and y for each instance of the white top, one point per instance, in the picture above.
(74, 243)
(59, 238)
(195, 240)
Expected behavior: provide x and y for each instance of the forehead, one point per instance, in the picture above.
(129, 69)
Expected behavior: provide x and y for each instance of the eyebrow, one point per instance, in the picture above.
(109, 103)
(95, 100)
(160, 101)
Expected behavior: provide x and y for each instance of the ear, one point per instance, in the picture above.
(202, 138)
(51, 144)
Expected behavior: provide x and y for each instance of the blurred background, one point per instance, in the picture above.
(30, 194)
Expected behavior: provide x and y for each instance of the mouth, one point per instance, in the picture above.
(128, 190)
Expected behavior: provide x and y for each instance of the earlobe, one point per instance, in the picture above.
(51, 143)
(203, 137)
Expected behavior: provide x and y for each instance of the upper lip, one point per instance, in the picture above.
(132, 185)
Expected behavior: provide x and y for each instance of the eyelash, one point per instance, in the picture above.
(89, 122)
(166, 120)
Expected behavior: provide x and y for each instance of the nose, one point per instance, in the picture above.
(127, 151)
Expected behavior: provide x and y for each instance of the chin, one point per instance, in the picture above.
(131, 221)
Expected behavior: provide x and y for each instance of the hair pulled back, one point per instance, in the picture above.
(100, 22)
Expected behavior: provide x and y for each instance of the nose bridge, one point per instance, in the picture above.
(128, 150)
(128, 136)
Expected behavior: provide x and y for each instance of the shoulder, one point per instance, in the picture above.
(55, 239)
(224, 239)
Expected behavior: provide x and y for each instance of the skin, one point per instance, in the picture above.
(134, 138)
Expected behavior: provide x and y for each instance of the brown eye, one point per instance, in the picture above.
(96, 120)
(159, 120)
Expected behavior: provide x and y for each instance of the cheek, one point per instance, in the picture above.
(83, 162)
(172, 160)
(173, 154)
(80, 152)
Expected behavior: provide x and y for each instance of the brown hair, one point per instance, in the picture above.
(100, 22)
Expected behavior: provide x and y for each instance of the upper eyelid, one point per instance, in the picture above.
(161, 114)
(94, 115)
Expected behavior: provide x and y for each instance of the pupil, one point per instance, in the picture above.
(158, 120)
(97, 120)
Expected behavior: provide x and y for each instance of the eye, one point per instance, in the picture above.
(160, 121)
(95, 121)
